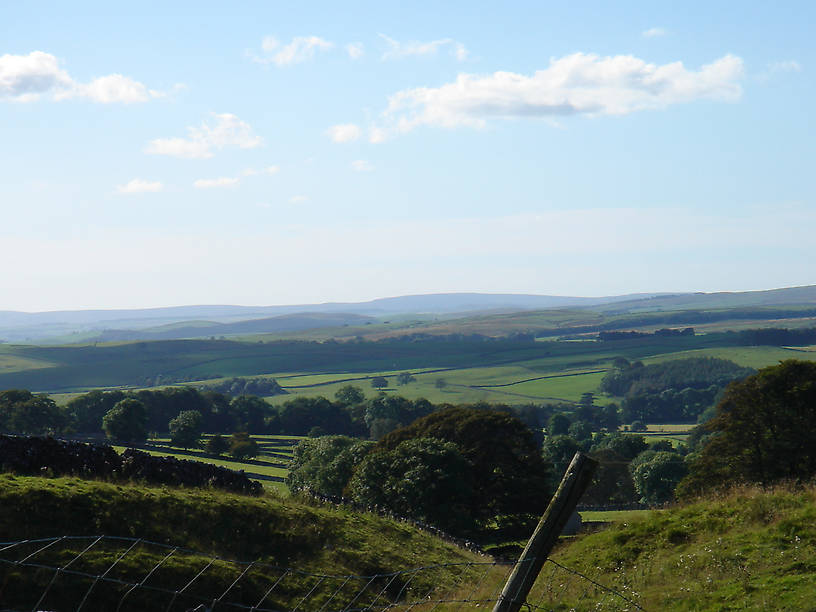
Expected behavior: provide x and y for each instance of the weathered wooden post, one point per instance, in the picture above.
(575, 481)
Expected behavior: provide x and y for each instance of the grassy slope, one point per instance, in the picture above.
(747, 550)
(278, 530)
(270, 530)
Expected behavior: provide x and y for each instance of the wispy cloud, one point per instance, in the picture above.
(223, 181)
(355, 50)
(399, 50)
(346, 132)
(578, 84)
(223, 130)
(784, 66)
(140, 186)
(361, 165)
(299, 49)
(298, 199)
(25, 78)
(269, 170)
(654, 33)
(776, 68)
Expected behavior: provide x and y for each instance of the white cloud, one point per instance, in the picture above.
(224, 181)
(300, 49)
(226, 130)
(377, 135)
(112, 88)
(653, 33)
(399, 50)
(298, 199)
(577, 84)
(140, 186)
(346, 132)
(270, 170)
(355, 50)
(361, 165)
(24, 78)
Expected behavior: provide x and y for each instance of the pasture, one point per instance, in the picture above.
(513, 371)
(275, 453)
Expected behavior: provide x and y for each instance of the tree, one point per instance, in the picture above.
(609, 417)
(424, 478)
(559, 451)
(580, 430)
(126, 422)
(86, 411)
(612, 481)
(656, 477)
(441, 383)
(763, 431)
(507, 469)
(379, 382)
(251, 412)
(349, 395)
(300, 415)
(23, 412)
(242, 446)
(620, 363)
(627, 446)
(217, 445)
(185, 429)
(559, 425)
(326, 464)
(637, 426)
(404, 378)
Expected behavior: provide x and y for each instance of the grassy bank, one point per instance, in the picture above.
(746, 550)
(270, 530)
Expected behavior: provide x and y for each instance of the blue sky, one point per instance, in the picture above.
(293, 152)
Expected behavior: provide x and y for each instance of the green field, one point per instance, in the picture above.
(474, 370)
(751, 356)
(275, 449)
(250, 468)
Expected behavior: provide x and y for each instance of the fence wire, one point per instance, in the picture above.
(101, 573)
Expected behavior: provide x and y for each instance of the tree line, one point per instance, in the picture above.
(680, 390)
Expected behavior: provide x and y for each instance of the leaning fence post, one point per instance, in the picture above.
(575, 481)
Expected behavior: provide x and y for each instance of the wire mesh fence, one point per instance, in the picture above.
(74, 574)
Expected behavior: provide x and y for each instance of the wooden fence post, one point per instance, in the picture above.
(576, 480)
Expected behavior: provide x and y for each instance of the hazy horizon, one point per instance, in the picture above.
(280, 154)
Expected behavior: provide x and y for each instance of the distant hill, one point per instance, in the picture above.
(790, 296)
(206, 329)
(93, 325)
(223, 320)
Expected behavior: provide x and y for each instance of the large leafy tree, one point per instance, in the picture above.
(251, 412)
(657, 474)
(126, 422)
(424, 478)
(326, 464)
(23, 412)
(185, 429)
(506, 467)
(763, 431)
(86, 411)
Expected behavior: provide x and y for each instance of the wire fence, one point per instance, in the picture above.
(74, 574)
